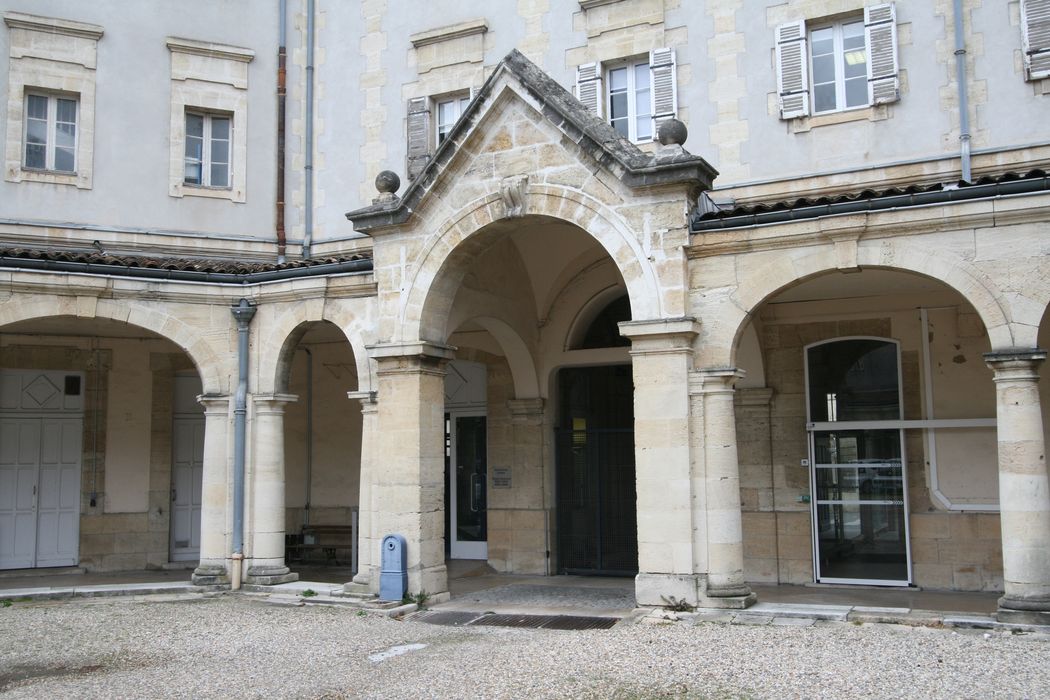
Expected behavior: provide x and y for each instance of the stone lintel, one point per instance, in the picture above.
(209, 49)
(455, 31)
(51, 25)
(214, 402)
(591, 4)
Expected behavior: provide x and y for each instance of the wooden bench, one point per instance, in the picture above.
(327, 539)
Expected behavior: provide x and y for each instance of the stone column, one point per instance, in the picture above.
(661, 357)
(367, 545)
(266, 563)
(215, 493)
(524, 524)
(1024, 493)
(725, 537)
(408, 478)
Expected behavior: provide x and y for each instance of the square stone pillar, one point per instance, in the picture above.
(266, 557)
(720, 511)
(519, 539)
(408, 473)
(661, 358)
(1024, 491)
(215, 493)
(367, 544)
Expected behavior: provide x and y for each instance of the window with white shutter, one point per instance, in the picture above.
(635, 95)
(1035, 32)
(825, 67)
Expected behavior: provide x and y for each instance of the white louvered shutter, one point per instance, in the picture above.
(880, 32)
(663, 95)
(1035, 30)
(589, 87)
(792, 69)
(418, 136)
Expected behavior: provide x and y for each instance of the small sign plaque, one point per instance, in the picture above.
(501, 478)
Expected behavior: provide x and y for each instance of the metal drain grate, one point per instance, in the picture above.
(450, 618)
(550, 622)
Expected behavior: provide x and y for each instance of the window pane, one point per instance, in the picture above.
(36, 107)
(67, 111)
(194, 125)
(857, 92)
(65, 135)
(617, 79)
(192, 174)
(64, 159)
(641, 76)
(36, 131)
(219, 175)
(194, 148)
(35, 156)
(621, 126)
(220, 151)
(618, 106)
(824, 97)
(822, 41)
(823, 69)
(220, 128)
(853, 34)
(446, 113)
(643, 128)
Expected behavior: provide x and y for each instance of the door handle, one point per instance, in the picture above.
(475, 492)
(173, 495)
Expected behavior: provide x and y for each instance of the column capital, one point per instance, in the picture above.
(215, 403)
(755, 396)
(273, 402)
(661, 335)
(369, 400)
(411, 357)
(712, 380)
(1015, 364)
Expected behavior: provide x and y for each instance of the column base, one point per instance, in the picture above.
(361, 584)
(270, 575)
(1027, 611)
(664, 590)
(210, 575)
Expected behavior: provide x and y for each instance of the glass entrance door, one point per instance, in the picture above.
(860, 515)
(467, 464)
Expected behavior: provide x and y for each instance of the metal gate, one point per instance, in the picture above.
(597, 524)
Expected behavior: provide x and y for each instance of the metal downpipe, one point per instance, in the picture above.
(960, 79)
(308, 186)
(243, 312)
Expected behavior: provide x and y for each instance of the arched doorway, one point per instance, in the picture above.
(101, 447)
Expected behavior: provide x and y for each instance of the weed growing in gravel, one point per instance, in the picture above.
(676, 604)
(420, 599)
(6, 602)
(308, 593)
(361, 613)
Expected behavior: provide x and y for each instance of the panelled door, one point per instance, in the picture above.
(860, 513)
(186, 488)
(39, 492)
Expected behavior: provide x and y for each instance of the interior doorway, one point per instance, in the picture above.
(860, 513)
(466, 461)
(596, 493)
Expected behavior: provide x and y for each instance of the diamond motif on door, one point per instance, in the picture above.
(41, 390)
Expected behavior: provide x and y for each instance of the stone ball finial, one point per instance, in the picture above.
(387, 182)
(672, 133)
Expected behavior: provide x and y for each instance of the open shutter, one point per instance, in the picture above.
(589, 87)
(1035, 30)
(880, 31)
(418, 136)
(792, 69)
(663, 96)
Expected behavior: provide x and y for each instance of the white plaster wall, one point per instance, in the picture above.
(133, 98)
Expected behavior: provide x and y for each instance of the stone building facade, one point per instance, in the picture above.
(796, 342)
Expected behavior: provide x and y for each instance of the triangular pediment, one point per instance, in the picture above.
(517, 83)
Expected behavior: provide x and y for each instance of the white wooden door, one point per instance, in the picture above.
(39, 492)
(186, 479)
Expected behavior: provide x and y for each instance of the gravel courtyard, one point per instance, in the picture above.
(238, 646)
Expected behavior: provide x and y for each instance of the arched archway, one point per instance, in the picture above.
(946, 464)
(109, 410)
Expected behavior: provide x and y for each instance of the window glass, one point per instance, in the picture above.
(643, 102)
(618, 109)
(855, 379)
(839, 67)
(51, 133)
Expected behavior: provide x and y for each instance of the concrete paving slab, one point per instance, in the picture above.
(816, 612)
(750, 619)
(793, 622)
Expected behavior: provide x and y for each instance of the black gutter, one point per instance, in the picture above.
(362, 265)
(902, 201)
